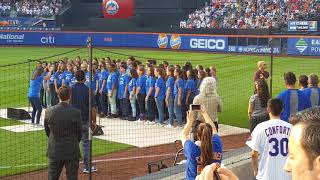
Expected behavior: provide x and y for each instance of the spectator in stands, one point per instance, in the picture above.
(313, 92)
(63, 127)
(303, 82)
(261, 73)
(262, 140)
(303, 160)
(257, 110)
(209, 99)
(293, 99)
(34, 94)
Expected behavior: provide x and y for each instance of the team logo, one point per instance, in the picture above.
(112, 7)
(301, 45)
(175, 41)
(162, 40)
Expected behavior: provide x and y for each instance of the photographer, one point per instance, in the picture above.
(206, 150)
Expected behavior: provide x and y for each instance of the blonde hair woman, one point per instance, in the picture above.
(209, 99)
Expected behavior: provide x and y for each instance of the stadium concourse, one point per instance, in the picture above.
(145, 149)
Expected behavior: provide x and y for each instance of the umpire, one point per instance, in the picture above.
(80, 101)
(64, 128)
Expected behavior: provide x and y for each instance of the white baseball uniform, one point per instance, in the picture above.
(270, 140)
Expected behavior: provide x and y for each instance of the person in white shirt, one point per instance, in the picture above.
(269, 140)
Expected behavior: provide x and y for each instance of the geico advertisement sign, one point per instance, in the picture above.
(212, 44)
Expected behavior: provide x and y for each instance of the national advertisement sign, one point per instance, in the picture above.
(304, 46)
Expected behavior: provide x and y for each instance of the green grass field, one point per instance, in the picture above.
(25, 152)
(234, 73)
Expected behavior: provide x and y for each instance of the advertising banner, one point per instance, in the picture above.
(304, 46)
(162, 41)
(254, 49)
(118, 8)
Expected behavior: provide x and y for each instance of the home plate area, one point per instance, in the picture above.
(127, 132)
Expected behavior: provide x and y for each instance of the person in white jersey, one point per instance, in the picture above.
(269, 140)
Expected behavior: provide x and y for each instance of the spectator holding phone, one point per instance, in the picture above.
(209, 99)
(206, 150)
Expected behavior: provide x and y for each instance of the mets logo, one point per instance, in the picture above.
(175, 41)
(112, 7)
(162, 40)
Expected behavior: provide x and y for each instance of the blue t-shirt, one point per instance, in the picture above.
(313, 94)
(35, 86)
(178, 85)
(67, 78)
(192, 152)
(59, 76)
(123, 82)
(51, 80)
(170, 83)
(112, 80)
(288, 107)
(151, 81)
(103, 76)
(160, 83)
(132, 84)
(93, 81)
(141, 82)
(73, 80)
(191, 86)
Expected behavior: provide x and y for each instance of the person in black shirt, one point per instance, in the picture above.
(80, 101)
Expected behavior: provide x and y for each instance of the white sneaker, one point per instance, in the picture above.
(93, 169)
(168, 126)
(139, 121)
(151, 123)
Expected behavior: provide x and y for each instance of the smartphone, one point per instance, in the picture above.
(216, 175)
(195, 107)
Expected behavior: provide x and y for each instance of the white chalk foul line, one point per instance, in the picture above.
(95, 161)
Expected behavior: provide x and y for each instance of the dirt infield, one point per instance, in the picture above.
(133, 162)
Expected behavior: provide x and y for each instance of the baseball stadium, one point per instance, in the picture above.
(130, 89)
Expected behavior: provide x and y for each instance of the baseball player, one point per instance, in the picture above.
(269, 140)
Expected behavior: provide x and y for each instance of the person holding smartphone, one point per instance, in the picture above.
(206, 149)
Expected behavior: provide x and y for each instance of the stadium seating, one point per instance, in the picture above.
(26, 8)
(252, 14)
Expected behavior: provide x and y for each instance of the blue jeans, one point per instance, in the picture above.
(36, 108)
(85, 145)
(133, 104)
(141, 104)
(178, 110)
(113, 103)
(170, 106)
(160, 107)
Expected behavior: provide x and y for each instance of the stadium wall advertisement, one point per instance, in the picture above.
(304, 46)
(210, 43)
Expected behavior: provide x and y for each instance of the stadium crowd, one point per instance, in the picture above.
(251, 14)
(27, 8)
(154, 92)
